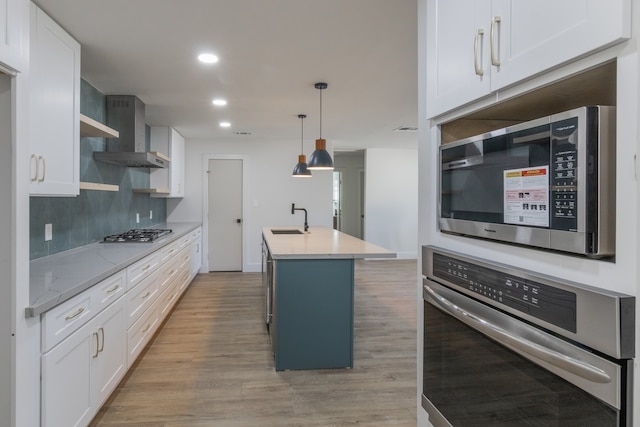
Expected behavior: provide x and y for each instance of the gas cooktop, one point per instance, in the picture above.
(142, 235)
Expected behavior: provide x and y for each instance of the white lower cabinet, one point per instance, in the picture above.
(80, 372)
(90, 340)
(110, 356)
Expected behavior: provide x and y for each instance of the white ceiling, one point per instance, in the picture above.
(271, 54)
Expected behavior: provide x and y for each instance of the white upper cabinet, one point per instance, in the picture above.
(168, 140)
(54, 104)
(12, 23)
(475, 48)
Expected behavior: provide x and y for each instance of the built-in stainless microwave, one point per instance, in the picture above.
(547, 183)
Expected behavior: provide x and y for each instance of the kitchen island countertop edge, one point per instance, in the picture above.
(320, 243)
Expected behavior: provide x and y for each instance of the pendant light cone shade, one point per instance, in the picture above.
(320, 159)
(301, 170)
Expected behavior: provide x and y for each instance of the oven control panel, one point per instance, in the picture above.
(544, 302)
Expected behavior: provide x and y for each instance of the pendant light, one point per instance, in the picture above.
(320, 159)
(300, 170)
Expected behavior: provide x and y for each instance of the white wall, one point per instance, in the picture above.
(270, 190)
(391, 200)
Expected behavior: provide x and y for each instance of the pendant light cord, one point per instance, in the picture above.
(320, 113)
(301, 135)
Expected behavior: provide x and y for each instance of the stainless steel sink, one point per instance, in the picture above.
(286, 231)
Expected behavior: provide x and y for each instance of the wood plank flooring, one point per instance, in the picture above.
(211, 365)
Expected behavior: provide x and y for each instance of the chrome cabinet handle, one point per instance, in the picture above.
(101, 330)
(95, 334)
(76, 314)
(34, 168)
(145, 268)
(115, 288)
(147, 328)
(146, 295)
(565, 362)
(476, 63)
(495, 59)
(44, 168)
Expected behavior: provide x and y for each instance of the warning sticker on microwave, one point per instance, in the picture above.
(526, 196)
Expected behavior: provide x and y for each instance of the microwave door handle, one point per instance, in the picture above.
(569, 364)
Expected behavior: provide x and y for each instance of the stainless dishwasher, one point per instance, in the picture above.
(267, 282)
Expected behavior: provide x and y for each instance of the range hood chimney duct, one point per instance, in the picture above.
(126, 113)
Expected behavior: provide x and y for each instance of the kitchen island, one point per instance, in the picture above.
(309, 293)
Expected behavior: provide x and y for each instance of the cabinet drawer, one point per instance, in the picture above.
(167, 298)
(184, 279)
(59, 322)
(109, 290)
(141, 297)
(142, 269)
(169, 251)
(140, 333)
(167, 273)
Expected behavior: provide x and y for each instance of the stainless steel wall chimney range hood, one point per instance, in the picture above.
(126, 113)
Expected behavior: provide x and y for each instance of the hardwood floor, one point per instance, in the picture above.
(211, 365)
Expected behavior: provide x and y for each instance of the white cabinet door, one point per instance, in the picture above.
(66, 380)
(54, 108)
(167, 140)
(475, 48)
(110, 363)
(79, 373)
(534, 36)
(457, 44)
(12, 23)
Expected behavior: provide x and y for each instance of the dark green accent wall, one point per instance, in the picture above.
(87, 218)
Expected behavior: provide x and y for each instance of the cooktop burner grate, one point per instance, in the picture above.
(143, 235)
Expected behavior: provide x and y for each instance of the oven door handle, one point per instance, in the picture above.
(569, 364)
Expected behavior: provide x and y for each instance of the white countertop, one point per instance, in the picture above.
(320, 243)
(56, 278)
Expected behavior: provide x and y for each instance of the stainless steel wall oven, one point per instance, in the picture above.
(508, 347)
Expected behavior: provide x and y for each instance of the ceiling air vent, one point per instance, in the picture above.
(406, 129)
(242, 133)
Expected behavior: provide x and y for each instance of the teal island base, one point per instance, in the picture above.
(312, 323)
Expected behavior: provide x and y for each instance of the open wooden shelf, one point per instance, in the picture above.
(90, 127)
(152, 190)
(98, 187)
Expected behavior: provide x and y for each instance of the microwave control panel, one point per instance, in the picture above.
(564, 164)
(544, 302)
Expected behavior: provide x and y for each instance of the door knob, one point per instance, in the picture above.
(239, 220)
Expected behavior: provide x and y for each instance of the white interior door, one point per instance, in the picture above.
(225, 214)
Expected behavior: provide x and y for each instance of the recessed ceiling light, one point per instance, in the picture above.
(219, 102)
(208, 58)
(225, 124)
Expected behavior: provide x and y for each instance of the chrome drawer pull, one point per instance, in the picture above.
(115, 288)
(495, 60)
(97, 345)
(146, 295)
(76, 314)
(477, 64)
(147, 328)
(148, 266)
(34, 176)
(101, 330)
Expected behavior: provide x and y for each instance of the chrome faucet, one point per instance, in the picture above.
(294, 209)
